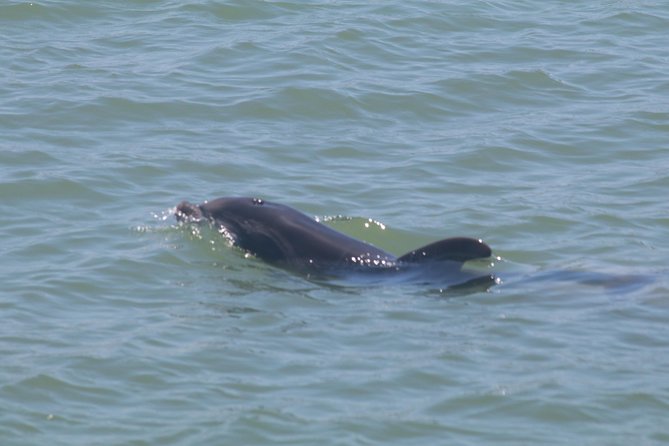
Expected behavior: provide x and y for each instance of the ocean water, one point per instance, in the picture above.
(540, 127)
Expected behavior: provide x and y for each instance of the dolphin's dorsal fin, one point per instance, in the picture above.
(456, 249)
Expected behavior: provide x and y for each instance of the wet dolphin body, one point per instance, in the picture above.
(285, 237)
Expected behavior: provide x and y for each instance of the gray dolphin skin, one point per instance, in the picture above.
(287, 238)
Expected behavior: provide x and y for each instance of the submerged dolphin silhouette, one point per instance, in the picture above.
(285, 237)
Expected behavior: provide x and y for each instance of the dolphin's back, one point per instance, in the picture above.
(280, 234)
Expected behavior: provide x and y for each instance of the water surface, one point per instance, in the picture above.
(540, 127)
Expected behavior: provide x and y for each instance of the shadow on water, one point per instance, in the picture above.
(611, 283)
(439, 280)
(514, 275)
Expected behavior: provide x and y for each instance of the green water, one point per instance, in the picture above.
(540, 127)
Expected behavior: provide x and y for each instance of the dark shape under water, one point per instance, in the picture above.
(287, 238)
(611, 283)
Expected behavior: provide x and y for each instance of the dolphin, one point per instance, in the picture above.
(287, 238)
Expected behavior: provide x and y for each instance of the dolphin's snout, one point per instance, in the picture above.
(188, 212)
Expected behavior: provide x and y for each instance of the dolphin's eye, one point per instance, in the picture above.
(258, 201)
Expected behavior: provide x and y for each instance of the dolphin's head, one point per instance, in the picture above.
(240, 219)
(228, 212)
(188, 212)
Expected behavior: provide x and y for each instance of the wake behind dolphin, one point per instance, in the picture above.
(287, 238)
